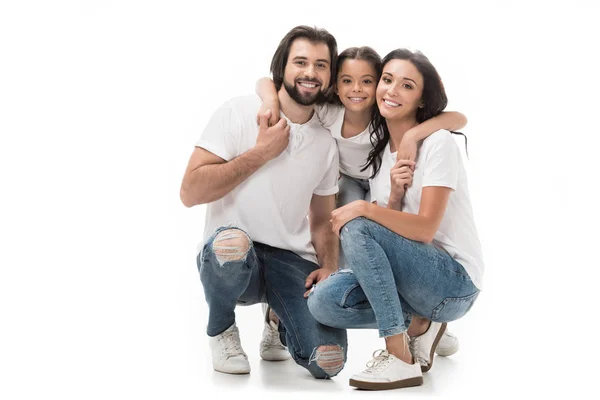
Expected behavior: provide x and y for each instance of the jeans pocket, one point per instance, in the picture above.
(453, 308)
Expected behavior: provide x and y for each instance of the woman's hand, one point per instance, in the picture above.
(401, 176)
(343, 215)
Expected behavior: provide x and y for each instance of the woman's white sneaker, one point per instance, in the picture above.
(448, 345)
(227, 353)
(386, 371)
(423, 346)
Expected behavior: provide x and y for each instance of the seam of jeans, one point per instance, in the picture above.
(379, 278)
(288, 318)
(464, 299)
(345, 297)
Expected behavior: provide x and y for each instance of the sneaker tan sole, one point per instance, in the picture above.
(416, 381)
(425, 368)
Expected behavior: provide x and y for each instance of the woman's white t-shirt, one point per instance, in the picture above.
(439, 163)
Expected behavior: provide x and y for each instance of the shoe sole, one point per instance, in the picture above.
(447, 353)
(425, 368)
(266, 358)
(416, 381)
(238, 372)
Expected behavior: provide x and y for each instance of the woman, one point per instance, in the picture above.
(410, 271)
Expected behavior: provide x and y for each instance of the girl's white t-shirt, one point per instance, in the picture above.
(439, 163)
(353, 151)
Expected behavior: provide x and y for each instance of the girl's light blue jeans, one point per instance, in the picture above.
(351, 189)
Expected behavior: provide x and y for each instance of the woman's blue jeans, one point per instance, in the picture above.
(390, 279)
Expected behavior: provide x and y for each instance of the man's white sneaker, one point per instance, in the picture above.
(423, 346)
(386, 371)
(227, 353)
(271, 348)
(448, 345)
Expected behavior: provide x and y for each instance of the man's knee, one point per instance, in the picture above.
(329, 359)
(231, 245)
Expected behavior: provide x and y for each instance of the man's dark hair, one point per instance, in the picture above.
(313, 35)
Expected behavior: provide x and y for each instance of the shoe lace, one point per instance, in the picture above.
(272, 338)
(380, 360)
(230, 344)
(413, 346)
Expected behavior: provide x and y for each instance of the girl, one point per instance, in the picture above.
(410, 271)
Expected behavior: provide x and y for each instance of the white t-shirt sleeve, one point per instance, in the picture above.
(328, 114)
(329, 183)
(221, 134)
(442, 162)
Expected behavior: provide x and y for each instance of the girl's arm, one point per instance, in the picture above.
(451, 121)
(265, 89)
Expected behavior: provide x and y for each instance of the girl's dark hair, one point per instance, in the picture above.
(314, 35)
(364, 53)
(434, 102)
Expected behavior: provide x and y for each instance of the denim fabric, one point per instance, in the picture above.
(351, 189)
(391, 278)
(272, 275)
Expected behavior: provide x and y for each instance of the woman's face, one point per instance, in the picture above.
(356, 85)
(399, 90)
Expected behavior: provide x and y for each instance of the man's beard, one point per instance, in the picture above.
(305, 100)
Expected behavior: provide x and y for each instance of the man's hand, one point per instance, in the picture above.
(401, 176)
(316, 276)
(267, 105)
(272, 141)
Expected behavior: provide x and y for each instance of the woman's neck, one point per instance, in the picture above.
(397, 130)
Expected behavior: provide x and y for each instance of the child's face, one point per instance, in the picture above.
(356, 84)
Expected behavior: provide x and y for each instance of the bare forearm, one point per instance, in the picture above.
(394, 204)
(209, 183)
(265, 88)
(450, 120)
(411, 226)
(326, 245)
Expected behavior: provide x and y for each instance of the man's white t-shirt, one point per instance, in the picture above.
(353, 151)
(439, 163)
(272, 204)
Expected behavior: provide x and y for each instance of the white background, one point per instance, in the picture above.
(101, 103)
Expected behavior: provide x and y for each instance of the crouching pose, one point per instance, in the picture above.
(260, 184)
(410, 271)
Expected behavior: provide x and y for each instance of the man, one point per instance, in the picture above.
(260, 184)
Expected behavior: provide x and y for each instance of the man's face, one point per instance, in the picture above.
(307, 73)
